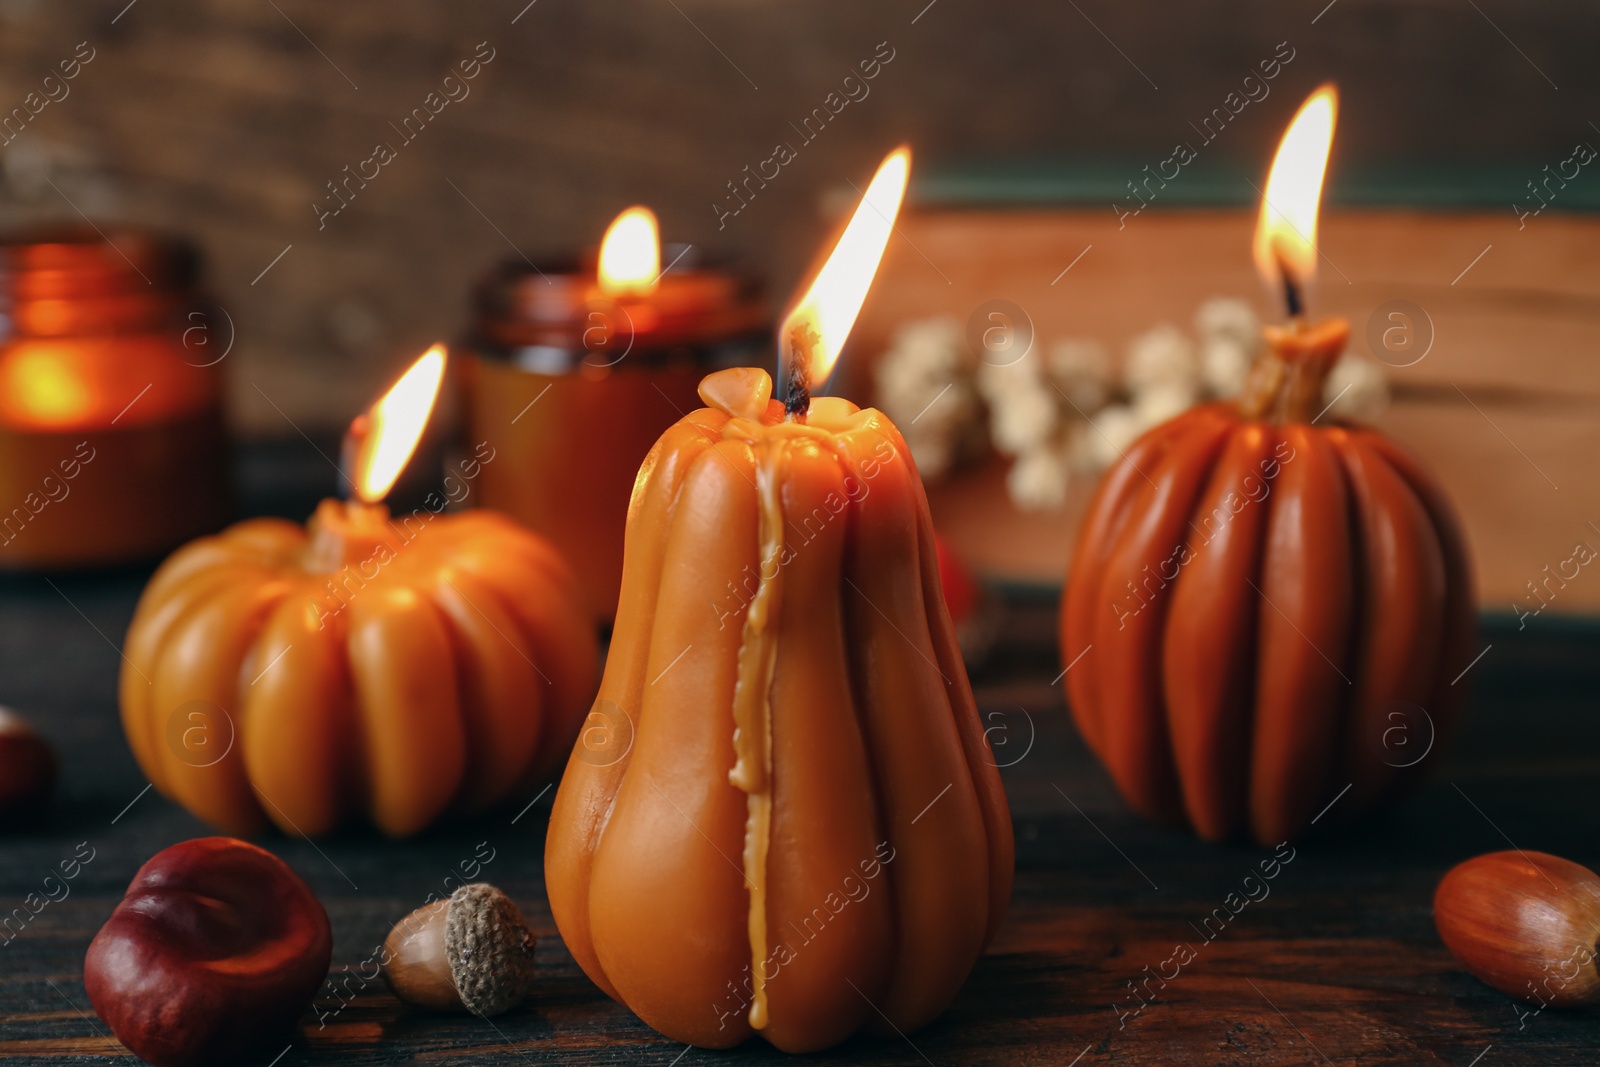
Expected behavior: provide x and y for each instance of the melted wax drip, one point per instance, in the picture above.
(752, 711)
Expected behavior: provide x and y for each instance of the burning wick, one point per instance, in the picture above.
(1292, 297)
(355, 439)
(803, 339)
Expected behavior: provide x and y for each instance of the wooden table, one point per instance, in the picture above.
(1339, 964)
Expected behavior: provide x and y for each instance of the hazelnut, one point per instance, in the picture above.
(27, 769)
(469, 952)
(1526, 923)
(213, 954)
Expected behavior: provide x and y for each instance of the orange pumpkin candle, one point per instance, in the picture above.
(1268, 609)
(783, 818)
(360, 666)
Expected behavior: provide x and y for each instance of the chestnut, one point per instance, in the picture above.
(215, 951)
(27, 769)
(1526, 923)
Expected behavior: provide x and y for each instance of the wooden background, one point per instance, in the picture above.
(225, 118)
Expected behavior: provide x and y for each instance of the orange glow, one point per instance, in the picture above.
(394, 425)
(1286, 234)
(630, 255)
(45, 389)
(834, 300)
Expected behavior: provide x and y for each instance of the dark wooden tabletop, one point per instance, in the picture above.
(1338, 964)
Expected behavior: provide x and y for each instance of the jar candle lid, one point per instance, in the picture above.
(73, 280)
(560, 305)
(65, 261)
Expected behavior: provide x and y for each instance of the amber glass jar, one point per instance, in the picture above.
(112, 447)
(570, 388)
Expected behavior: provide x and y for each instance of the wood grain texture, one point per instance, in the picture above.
(1339, 960)
(227, 120)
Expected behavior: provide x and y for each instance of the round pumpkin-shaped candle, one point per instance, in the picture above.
(1265, 608)
(783, 817)
(396, 670)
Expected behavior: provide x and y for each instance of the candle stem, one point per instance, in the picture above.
(802, 341)
(1286, 383)
(345, 533)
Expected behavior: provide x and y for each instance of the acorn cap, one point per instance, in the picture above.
(490, 949)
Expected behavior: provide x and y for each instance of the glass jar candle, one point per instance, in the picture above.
(567, 387)
(112, 446)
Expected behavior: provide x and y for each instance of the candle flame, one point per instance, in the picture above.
(41, 387)
(394, 425)
(831, 305)
(1286, 233)
(630, 254)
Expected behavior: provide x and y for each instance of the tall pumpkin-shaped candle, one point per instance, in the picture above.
(1269, 609)
(782, 817)
(364, 666)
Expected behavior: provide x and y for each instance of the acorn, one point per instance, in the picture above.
(469, 952)
(1526, 923)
